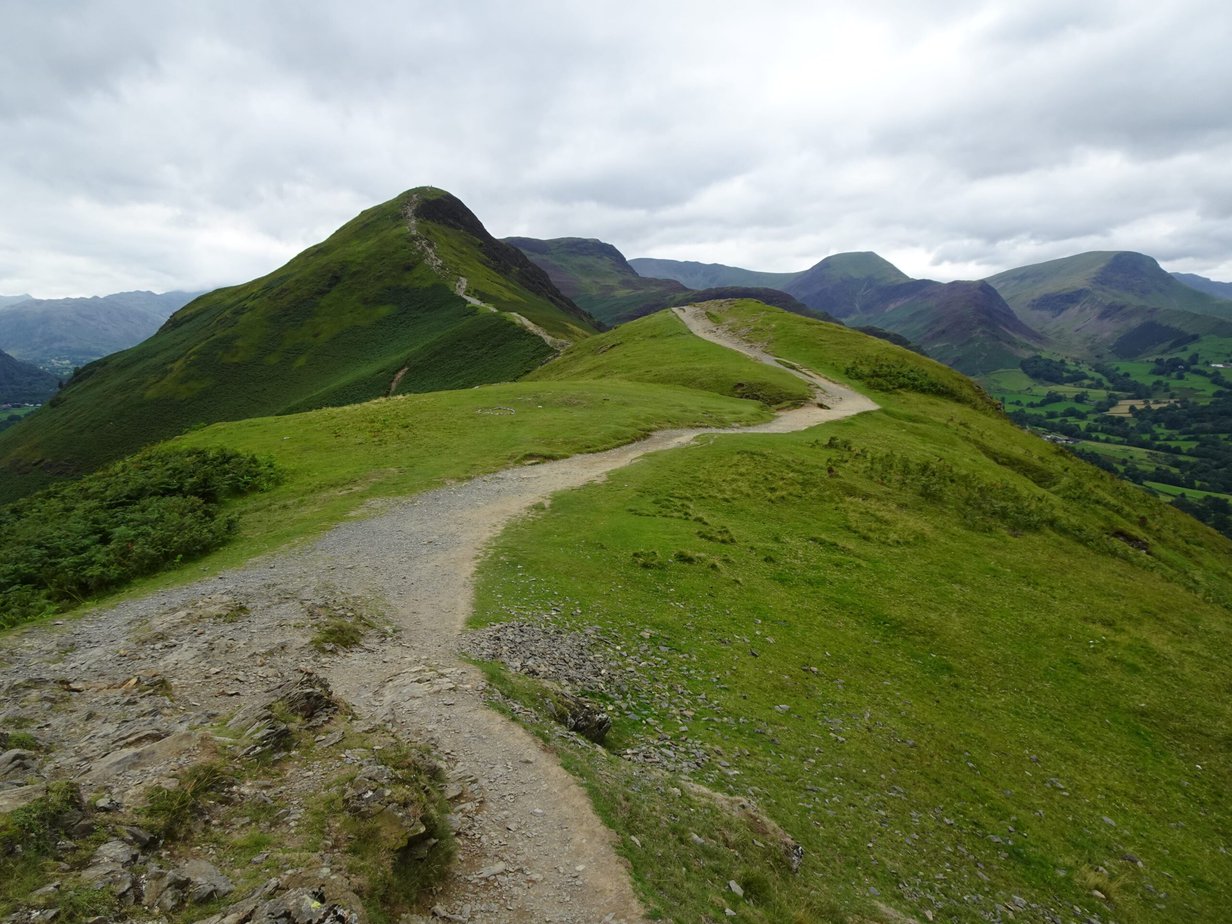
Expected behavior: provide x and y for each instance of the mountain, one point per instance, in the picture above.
(6, 300)
(845, 283)
(1202, 284)
(708, 275)
(965, 324)
(23, 383)
(1111, 304)
(73, 331)
(597, 277)
(412, 295)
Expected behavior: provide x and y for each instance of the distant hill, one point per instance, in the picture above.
(708, 275)
(74, 331)
(1111, 304)
(1202, 284)
(965, 324)
(597, 277)
(845, 284)
(13, 299)
(411, 295)
(23, 383)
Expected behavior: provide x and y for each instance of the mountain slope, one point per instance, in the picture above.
(77, 330)
(6, 300)
(843, 284)
(1202, 284)
(23, 383)
(596, 276)
(917, 664)
(708, 275)
(411, 295)
(966, 325)
(1101, 304)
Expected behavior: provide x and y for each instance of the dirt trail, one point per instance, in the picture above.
(531, 848)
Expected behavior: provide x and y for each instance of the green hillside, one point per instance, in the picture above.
(22, 383)
(971, 676)
(915, 664)
(374, 310)
(596, 276)
(845, 283)
(708, 275)
(966, 325)
(1112, 305)
(661, 350)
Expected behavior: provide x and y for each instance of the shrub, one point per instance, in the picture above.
(138, 516)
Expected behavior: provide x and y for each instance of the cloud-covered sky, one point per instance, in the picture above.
(167, 145)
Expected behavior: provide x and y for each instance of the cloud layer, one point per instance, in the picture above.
(188, 145)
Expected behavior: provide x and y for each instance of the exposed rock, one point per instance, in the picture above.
(18, 764)
(577, 715)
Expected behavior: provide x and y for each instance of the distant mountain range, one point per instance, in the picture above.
(62, 333)
(599, 279)
(1202, 284)
(1093, 306)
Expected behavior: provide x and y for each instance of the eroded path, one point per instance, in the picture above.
(530, 846)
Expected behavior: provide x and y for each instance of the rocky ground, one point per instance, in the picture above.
(298, 739)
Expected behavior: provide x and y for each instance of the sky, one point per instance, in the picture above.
(186, 145)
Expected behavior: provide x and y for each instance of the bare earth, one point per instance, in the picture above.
(530, 846)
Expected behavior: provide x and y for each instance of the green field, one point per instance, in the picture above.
(922, 642)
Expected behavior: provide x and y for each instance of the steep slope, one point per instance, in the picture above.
(1111, 304)
(411, 295)
(1202, 284)
(69, 332)
(845, 283)
(23, 383)
(966, 325)
(596, 276)
(708, 275)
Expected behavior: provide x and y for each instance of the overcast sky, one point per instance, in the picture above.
(163, 145)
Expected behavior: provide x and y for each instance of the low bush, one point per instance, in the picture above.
(139, 516)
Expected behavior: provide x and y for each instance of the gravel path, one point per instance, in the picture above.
(531, 848)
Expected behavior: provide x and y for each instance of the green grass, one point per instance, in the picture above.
(332, 461)
(334, 326)
(659, 349)
(979, 663)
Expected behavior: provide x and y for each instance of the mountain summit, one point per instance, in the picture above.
(411, 295)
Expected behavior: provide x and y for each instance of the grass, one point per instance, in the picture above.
(659, 349)
(334, 326)
(979, 664)
(170, 810)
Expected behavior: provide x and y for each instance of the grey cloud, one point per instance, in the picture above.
(188, 144)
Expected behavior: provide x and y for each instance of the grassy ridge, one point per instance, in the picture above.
(333, 460)
(333, 326)
(659, 349)
(964, 670)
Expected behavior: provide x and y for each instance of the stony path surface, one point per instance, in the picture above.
(530, 846)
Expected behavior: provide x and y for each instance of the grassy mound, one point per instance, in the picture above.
(660, 349)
